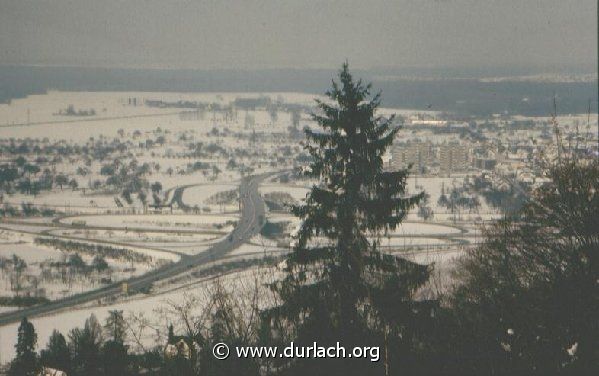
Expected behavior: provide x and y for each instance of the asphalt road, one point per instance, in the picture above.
(249, 225)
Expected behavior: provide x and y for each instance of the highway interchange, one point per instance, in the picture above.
(252, 216)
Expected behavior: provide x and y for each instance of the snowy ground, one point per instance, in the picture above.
(199, 196)
(89, 214)
(12, 243)
(435, 187)
(151, 307)
(39, 257)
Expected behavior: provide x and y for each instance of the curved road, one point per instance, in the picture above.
(249, 225)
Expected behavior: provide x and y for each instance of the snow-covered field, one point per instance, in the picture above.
(199, 196)
(113, 112)
(30, 252)
(46, 273)
(435, 187)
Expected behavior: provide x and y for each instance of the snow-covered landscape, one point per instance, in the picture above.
(287, 188)
(145, 182)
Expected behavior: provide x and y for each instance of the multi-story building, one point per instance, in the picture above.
(484, 163)
(453, 157)
(420, 155)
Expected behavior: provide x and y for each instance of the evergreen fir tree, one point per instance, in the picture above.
(25, 362)
(115, 326)
(114, 351)
(171, 335)
(115, 358)
(336, 274)
(85, 347)
(56, 355)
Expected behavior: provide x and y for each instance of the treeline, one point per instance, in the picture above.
(92, 350)
(71, 111)
(29, 178)
(22, 301)
(95, 250)
(509, 200)
(27, 209)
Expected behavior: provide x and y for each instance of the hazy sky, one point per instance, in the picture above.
(250, 34)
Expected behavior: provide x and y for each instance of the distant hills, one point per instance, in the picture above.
(529, 94)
